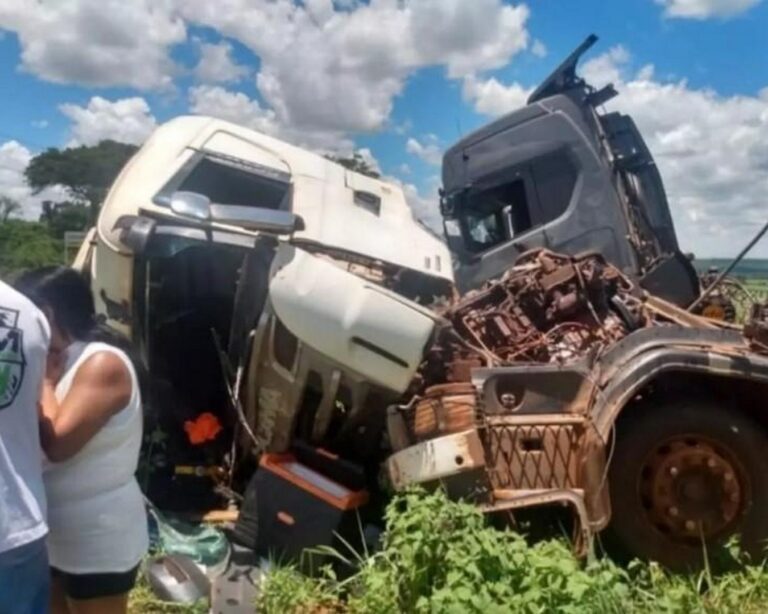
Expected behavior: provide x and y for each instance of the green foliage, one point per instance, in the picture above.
(289, 591)
(355, 163)
(26, 245)
(440, 556)
(66, 216)
(86, 172)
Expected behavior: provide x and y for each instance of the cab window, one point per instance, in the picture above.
(495, 215)
(226, 184)
(229, 181)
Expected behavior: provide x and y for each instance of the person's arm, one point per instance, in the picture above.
(101, 388)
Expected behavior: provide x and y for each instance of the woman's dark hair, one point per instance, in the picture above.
(66, 293)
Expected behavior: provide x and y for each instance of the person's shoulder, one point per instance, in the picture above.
(24, 313)
(12, 297)
(104, 365)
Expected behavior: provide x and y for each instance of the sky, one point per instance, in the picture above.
(399, 81)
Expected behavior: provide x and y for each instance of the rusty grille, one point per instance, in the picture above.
(533, 456)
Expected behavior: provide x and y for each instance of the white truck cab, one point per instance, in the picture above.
(253, 273)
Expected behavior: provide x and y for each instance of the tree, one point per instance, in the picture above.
(62, 217)
(86, 171)
(356, 163)
(8, 207)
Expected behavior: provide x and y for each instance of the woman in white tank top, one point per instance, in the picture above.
(91, 428)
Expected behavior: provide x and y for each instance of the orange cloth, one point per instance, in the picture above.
(203, 428)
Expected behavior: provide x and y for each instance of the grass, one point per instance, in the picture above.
(441, 556)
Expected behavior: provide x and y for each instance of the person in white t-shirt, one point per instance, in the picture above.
(91, 434)
(24, 338)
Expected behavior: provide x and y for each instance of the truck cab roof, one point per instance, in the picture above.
(234, 165)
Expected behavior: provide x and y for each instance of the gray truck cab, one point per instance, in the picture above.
(559, 174)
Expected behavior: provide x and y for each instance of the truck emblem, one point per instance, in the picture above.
(12, 361)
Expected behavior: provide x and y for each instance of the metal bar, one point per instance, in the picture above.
(534, 420)
(729, 268)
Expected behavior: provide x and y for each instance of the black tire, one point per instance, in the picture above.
(647, 434)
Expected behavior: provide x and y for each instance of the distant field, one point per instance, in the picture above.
(749, 268)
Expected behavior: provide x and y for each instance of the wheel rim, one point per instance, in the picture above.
(691, 487)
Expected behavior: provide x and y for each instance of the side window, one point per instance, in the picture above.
(229, 181)
(540, 193)
(495, 215)
(226, 184)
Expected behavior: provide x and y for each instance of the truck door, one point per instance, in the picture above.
(496, 220)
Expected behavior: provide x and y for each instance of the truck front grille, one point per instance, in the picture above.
(533, 456)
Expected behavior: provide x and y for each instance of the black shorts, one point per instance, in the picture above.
(95, 585)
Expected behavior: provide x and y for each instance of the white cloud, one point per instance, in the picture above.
(704, 9)
(236, 107)
(127, 120)
(96, 42)
(232, 106)
(216, 64)
(14, 158)
(539, 49)
(425, 204)
(328, 68)
(429, 150)
(39, 123)
(607, 67)
(492, 98)
(712, 152)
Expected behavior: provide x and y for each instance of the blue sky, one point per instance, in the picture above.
(399, 80)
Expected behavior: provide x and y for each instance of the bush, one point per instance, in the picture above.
(26, 245)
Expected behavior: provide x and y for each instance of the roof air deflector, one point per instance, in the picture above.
(564, 76)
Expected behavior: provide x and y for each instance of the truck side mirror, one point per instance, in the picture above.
(192, 205)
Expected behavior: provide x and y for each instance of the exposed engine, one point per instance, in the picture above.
(548, 308)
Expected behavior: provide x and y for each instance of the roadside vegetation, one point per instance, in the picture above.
(441, 556)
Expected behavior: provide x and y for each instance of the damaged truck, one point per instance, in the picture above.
(544, 357)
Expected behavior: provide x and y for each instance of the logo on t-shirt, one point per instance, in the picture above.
(11, 356)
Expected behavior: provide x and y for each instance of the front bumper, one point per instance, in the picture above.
(436, 459)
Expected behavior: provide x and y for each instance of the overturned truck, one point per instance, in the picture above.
(281, 301)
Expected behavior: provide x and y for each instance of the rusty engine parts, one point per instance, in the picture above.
(548, 308)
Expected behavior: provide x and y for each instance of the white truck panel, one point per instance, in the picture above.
(370, 330)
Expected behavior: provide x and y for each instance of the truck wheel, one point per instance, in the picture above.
(686, 472)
